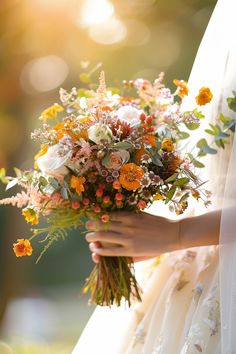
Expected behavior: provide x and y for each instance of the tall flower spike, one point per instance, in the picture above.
(102, 84)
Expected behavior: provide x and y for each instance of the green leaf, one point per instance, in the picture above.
(172, 178)
(205, 148)
(64, 193)
(222, 135)
(232, 102)
(123, 145)
(209, 131)
(181, 181)
(105, 160)
(192, 126)
(195, 162)
(183, 135)
(198, 114)
(184, 197)
(170, 194)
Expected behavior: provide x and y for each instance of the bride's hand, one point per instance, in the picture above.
(140, 236)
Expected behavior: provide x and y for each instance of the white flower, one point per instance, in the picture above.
(100, 133)
(52, 163)
(117, 159)
(129, 114)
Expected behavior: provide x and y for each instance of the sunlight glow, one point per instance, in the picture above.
(109, 32)
(95, 12)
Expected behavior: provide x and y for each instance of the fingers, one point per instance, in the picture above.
(96, 257)
(96, 225)
(121, 216)
(108, 252)
(106, 236)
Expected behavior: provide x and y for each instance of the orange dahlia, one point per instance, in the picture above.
(131, 176)
(22, 248)
(204, 96)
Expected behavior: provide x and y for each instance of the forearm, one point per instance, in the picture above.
(202, 230)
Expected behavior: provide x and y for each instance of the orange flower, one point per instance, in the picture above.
(182, 88)
(43, 150)
(150, 139)
(167, 145)
(157, 197)
(30, 216)
(22, 248)
(62, 130)
(77, 184)
(138, 154)
(130, 176)
(204, 96)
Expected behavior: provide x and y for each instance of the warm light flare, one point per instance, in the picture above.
(94, 12)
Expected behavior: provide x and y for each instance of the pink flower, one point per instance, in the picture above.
(117, 158)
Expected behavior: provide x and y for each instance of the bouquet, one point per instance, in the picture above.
(104, 151)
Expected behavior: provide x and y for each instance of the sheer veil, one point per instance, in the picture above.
(215, 67)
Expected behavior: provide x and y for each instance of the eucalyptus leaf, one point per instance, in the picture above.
(123, 145)
(64, 193)
(192, 126)
(170, 194)
(172, 178)
(183, 135)
(181, 181)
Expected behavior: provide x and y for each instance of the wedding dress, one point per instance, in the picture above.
(189, 302)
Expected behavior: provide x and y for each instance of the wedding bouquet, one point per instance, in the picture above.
(101, 152)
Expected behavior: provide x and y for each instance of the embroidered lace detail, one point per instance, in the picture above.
(194, 343)
(158, 348)
(197, 292)
(139, 335)
(213, 311)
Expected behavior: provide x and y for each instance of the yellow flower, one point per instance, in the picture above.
(167, 145)
(204, 96)
(131, 176)
(182, 88)
(51, 112)
(77, 184)
(43, 150)
(157, 197)
(30, 216)
(22, 248)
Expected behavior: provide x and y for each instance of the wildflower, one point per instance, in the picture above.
(99, 192)
(77, 184)
(204, 96)
(121, 129)
(105, 218)
(142, 204)
(97, 209)
(22, 248)
(167, 145)
(51, 112)
(182, 88)
(195, 194)
(75, 204)
(131, 176)
(106, 199)
(158, 196)
(119, 196)
(30, 216)
(116, 184)
(86, 201)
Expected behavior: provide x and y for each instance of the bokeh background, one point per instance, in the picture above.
(45, 44)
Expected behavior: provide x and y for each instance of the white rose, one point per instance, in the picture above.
(117, 159)
(129, 114)
(52, 163)
(99, 133)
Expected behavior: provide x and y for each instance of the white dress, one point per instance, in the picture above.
(180, 310)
